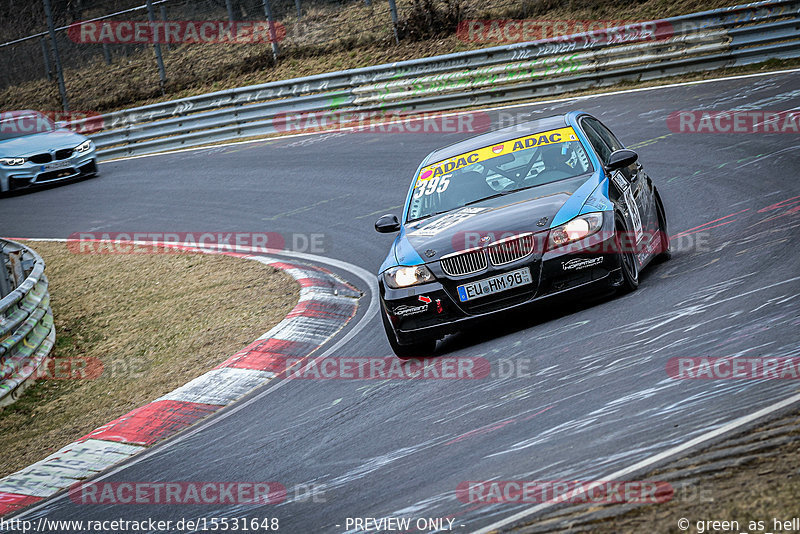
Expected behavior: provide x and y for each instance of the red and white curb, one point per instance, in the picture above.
(326, 304)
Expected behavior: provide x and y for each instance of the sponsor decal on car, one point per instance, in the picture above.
(650, 249)
(633, 208)
(507, 147)
(406, 310)
(445, 222)
(576, 264)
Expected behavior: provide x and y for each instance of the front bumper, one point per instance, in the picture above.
(434, 309)
(30, 175)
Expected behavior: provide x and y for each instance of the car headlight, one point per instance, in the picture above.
(84, 147)
(578, 228)
(403, 276)
(12, 162)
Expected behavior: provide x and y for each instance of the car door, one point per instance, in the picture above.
(631, 182)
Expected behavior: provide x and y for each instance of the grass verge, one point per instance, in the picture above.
(764, 489)
(154, 321)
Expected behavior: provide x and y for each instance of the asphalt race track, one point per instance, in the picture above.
(596, 396)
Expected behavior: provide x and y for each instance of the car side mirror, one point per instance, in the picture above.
(387, 224)
(621, 158)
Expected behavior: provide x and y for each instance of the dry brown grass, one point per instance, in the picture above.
(197, 69)
(762, 490)
(155, 322)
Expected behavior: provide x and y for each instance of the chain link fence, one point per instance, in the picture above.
(165, 44)
(95, 56)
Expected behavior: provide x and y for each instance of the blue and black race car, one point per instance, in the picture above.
(541, 209)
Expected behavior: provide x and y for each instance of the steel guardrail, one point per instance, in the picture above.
(708, 40)
(27, 332)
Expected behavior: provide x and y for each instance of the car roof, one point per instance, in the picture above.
(497, 136)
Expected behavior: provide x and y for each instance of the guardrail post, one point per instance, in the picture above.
(15, 263)
(5, 279)
(273, 36)
(393, 10)
(162, 74)
(59, 72)
(163, 10)
(46, 55)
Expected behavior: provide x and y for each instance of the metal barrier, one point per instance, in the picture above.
(702, 41)
(26, 321)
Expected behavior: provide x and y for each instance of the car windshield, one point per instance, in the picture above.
(496, 170)
(20, 123)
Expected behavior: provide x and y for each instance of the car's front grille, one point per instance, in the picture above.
(64, 153)
(511, 249)
(471, 261)
(40, 158)
(503, 252)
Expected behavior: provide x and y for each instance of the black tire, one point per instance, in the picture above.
(629, 265)
(420, 349)
(666, 250)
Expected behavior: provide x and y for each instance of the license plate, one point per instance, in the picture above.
(495, 284)
(56, 165)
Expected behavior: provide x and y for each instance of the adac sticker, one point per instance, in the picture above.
(506, 147)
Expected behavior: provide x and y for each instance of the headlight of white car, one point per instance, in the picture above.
(12, 162)
(578, 228)
(406, 276)
(84, 147)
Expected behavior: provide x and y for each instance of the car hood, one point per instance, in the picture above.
(40, 142)
(530, 210)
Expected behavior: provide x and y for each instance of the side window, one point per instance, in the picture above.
(606, 134)
(597, 142)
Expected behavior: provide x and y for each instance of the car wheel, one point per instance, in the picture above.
(666, 251)
(627, 260)
(419, 349)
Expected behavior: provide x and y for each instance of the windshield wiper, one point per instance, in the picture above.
(500, 194)
(427, 216)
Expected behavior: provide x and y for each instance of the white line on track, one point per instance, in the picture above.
(647, 462)
(455, 113)
(371, 312)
